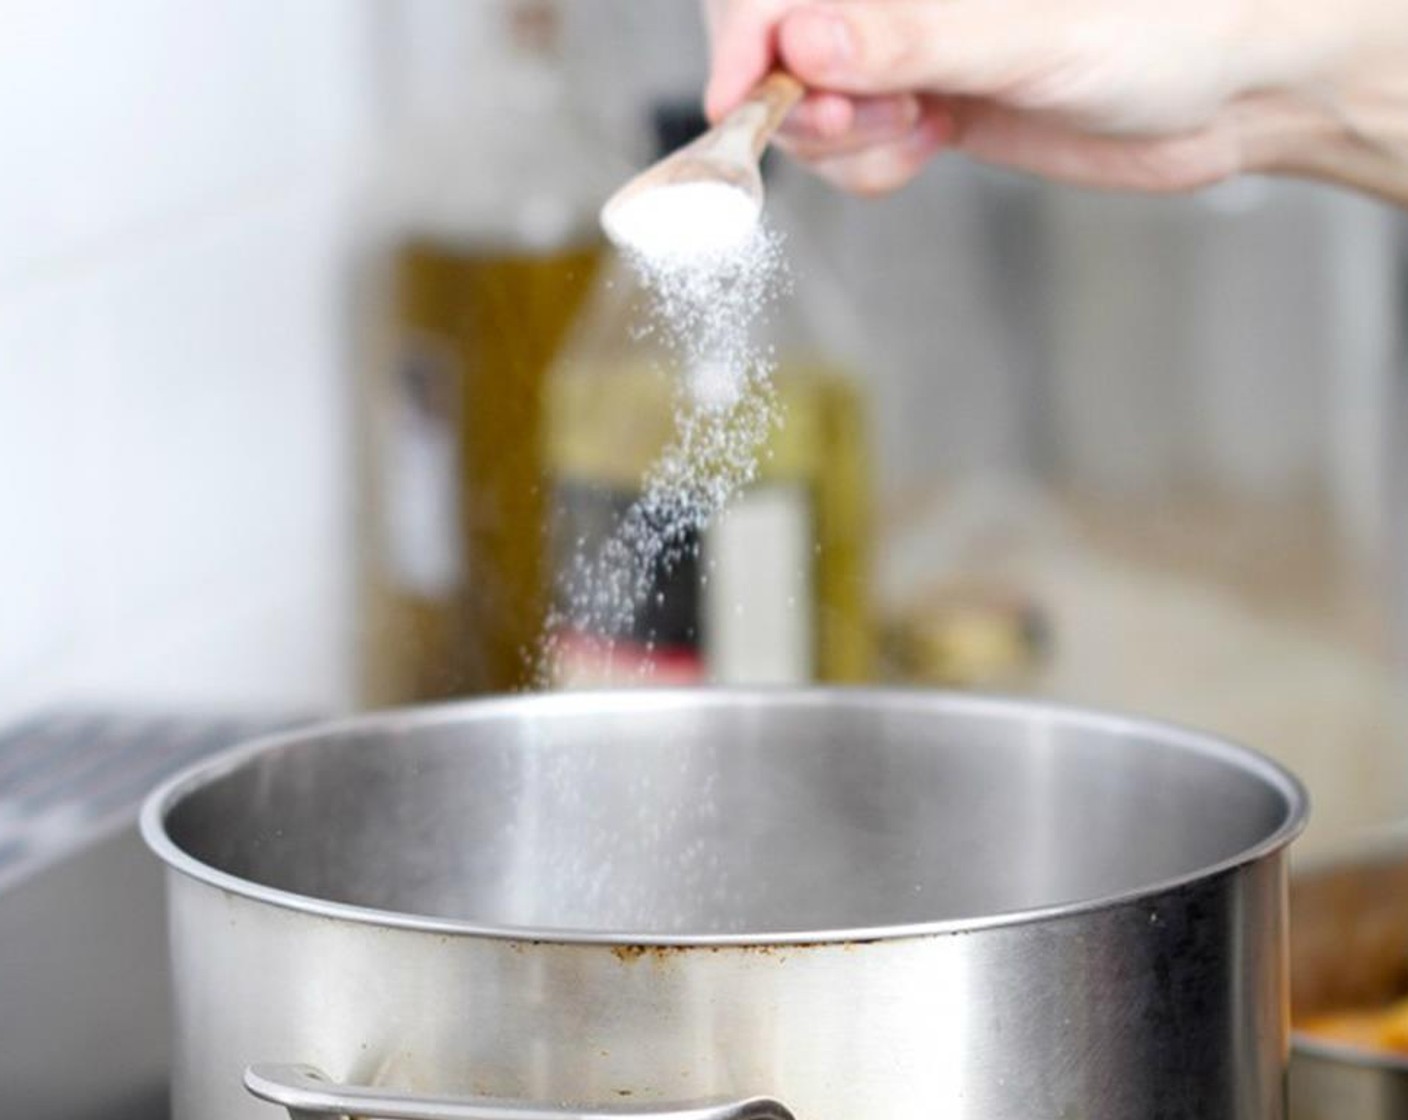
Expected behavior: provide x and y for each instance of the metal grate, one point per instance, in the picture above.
(71, 774)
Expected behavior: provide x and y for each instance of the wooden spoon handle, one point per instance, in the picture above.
(778, 94)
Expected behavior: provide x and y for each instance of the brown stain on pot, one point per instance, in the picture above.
(664, 954)
(629, 954)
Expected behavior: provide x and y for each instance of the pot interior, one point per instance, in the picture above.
(698, 814)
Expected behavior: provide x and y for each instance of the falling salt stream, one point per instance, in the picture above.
(711, 270)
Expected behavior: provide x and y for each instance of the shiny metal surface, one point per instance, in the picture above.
(307, 1092)
(1349, 949)
(856, 903)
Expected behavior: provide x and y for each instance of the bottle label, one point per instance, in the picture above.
(613, 631)
(760, 596)
(583, 660)
(420, 471)
(737, 606)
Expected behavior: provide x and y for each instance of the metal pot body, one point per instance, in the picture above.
(1072, 915)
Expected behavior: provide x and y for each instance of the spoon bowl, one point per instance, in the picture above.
(727, 155)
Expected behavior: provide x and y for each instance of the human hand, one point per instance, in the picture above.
(1121, 94)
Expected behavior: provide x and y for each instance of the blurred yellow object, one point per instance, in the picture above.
(477, 330)
(966, 637)
(473, 284)
(1383, 1029)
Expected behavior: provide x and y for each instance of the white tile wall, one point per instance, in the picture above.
(174, 214)
(119, 117)
(48, 348)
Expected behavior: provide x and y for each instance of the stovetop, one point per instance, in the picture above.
(84, 1020)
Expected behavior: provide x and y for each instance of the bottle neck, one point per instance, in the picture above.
(532, 37)
(494, 150)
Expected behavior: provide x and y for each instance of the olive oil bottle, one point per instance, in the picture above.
(775, 589)
(494, 247)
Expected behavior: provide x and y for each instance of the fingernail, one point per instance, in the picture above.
(890, 114)
(934, 133)
(801, 121)
(832, 35)
(821, 116)
(843, 43)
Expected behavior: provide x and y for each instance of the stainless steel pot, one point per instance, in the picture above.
(839, 904)
(1349, 949)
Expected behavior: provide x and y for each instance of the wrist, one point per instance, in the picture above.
(1331, 91)
(1351, 130)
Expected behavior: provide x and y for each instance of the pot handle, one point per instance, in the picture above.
(307, 1093)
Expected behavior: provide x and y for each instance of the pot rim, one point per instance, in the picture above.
(166, 796)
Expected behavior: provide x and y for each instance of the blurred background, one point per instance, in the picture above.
(309, 358)
(316, 384)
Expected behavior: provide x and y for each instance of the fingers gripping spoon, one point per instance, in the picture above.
(715, 176)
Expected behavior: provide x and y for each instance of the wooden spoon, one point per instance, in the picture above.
(727, 154)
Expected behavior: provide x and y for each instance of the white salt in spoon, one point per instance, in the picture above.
(705, 198)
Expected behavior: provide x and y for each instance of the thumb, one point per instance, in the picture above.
(962, 47)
